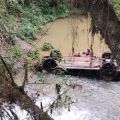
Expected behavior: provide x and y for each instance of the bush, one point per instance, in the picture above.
(47, 46)
(15, 9)
(116, 6)
(16, 51)
(7, 27)
(27, 31)
(34, 54)
(30, 22)
(34, 14)
(62, 10)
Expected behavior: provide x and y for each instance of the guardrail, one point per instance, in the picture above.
(78, 59)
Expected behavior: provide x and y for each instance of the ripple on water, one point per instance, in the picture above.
(97, 100)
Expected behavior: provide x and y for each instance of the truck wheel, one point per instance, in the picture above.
(108, 71)
(49, 64)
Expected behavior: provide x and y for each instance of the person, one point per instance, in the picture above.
(88, 52)
(77, 54)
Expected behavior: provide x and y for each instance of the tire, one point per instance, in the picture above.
(108, 71)
(38, 67)
(49, 64)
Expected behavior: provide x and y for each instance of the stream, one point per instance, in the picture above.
(87, 99)
(90, 99)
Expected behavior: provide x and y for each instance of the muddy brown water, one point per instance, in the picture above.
(62, 32)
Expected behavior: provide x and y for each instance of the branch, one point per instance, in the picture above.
(8, 70)
(26, 74)
(8, 114)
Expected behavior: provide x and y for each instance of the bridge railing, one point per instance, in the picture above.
(80, 59)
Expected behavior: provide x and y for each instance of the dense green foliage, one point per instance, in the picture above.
(7, 26)
(32, 15)
(16, 51)
(116, 6)
(47, 46)
(34, 54)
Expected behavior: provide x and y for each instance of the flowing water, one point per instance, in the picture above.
(90, 99)
(73, 30)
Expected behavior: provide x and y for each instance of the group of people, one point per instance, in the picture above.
(88, 52)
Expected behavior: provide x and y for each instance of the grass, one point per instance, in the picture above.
(46, 46)
(16, 51)
(34, 54)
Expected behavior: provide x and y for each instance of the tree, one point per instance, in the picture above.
(11, 93)
(105, 21)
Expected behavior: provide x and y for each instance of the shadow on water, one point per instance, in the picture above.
(91, 74)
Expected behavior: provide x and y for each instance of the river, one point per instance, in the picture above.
(62, 32)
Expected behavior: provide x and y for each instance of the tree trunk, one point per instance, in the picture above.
(14, 95)
(105, 21)
(11, 93)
